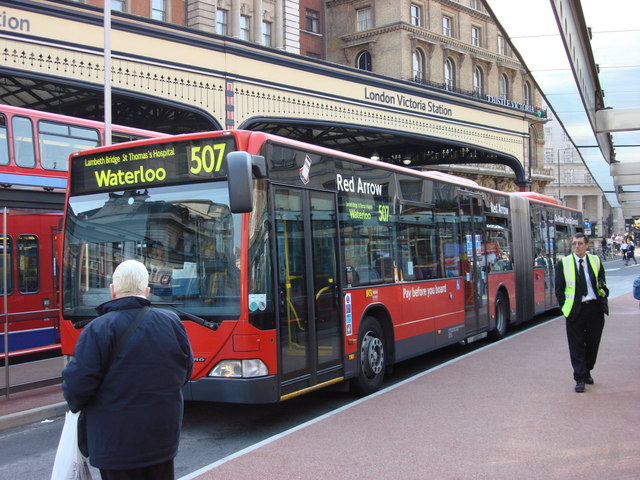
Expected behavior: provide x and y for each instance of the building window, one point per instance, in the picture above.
(548, 155)
(473, 4)
(548, 134)
(449, 74)
(364, 18)
(313, 21)
(504, 86)
(363, 61)
(416, 15)
(447, 26)
(418, 63)
(568, 156)
(478, 82)
(526, 94)
(501, 46)
(118, 5)
(475, 36)
(245, 27)
(159, 10)
(266, 34)
(222, 20)
(568, 176)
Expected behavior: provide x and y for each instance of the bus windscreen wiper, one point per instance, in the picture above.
(199, 320)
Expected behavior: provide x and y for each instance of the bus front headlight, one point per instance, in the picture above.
(239, 369)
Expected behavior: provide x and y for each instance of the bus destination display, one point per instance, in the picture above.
(151, 165)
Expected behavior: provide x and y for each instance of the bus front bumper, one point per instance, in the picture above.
(233, 390)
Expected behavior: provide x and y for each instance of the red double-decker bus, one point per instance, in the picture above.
(295, 267)
(34, 154)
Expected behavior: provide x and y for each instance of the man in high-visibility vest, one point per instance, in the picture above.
(582, 294)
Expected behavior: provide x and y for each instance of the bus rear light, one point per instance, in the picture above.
(239, 369)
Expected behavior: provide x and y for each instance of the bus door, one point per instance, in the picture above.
(309, 327)
(474, 262)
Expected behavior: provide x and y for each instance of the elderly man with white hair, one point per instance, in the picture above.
(126, 375)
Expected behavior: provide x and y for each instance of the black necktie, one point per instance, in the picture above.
(582, 281)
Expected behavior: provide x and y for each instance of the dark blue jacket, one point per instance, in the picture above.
(133, 403)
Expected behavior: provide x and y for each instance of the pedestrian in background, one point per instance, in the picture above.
(131, 397)
(623, 249)
(582, 295)
(631, 246)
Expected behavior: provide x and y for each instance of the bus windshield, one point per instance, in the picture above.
(185, 235)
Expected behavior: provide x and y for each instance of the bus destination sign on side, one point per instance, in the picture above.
(167, 163)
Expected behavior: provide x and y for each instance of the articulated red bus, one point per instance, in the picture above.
(295, 267)
(34, 155)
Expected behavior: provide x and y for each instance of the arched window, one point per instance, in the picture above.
(504, 86)
(449, 74)
(526, 94)
(478, 82)
(363, 61)
(418, 69)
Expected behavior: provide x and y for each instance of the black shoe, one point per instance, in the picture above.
(589, 380)
(579, 387)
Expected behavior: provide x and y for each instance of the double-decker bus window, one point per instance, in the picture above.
(4, 142)
(260, 290)
(23, 144)
(119, 137)
(28, 264)
(57, 141)
(9, 257)
(187, 237)
(418, 243)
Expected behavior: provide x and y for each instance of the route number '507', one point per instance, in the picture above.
(207, 159)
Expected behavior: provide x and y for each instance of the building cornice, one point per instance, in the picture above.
(428, 36)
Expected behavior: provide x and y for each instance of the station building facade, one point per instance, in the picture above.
(451, 46)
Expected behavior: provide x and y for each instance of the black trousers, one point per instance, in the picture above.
(160, 471)
(583, 334)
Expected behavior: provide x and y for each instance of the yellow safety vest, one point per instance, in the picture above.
(569, 268)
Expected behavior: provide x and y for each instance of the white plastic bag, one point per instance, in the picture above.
(69, 463)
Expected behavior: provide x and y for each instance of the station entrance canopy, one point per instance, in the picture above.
(173, 79)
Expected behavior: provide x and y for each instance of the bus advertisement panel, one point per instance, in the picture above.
(339, 267)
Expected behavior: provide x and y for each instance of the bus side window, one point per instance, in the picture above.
(4, 141)
(57, 141)
(23, 145)
(9, 265)
(28, 264)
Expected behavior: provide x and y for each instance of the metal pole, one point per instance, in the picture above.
(559, 198)
(5, 301)
(107, 72)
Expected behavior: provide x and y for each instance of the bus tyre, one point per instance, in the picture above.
(371, 356)
(502, 321)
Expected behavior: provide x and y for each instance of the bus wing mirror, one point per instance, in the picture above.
(240, 166)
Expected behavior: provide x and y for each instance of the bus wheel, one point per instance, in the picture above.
(371, 354)
(501, 318)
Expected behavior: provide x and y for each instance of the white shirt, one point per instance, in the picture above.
(591, 295)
